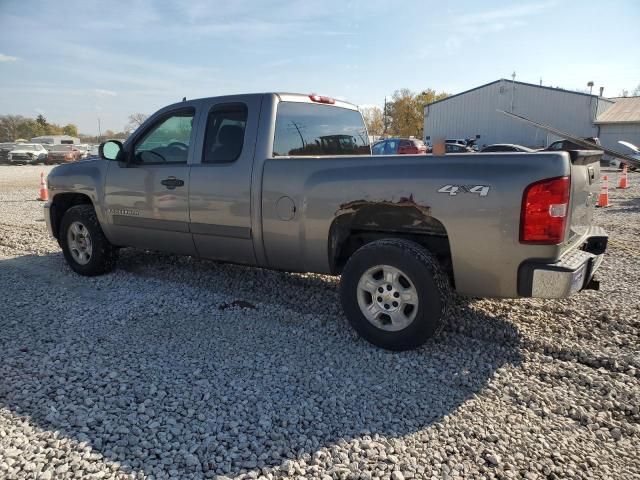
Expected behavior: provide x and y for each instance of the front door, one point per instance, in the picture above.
(146, 199)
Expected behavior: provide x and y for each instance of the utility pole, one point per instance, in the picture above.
(384, 116)
(513, 88)
(299, 133)
(99, 131)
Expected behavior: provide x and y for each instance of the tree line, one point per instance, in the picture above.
(402, 115)
(14, 127)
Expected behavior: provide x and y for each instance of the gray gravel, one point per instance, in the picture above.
(178, 368)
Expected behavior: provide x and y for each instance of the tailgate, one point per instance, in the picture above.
(585, 188)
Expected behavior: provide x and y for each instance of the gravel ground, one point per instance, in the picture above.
(177, 368)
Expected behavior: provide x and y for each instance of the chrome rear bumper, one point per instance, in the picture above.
(573, 272)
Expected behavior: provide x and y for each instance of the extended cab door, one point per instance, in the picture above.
(220, 188)
(146, 198)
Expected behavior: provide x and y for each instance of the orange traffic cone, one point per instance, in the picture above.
(44, 193)
(624, 181)
(603, 200)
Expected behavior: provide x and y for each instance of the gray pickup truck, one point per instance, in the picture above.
(288, 182)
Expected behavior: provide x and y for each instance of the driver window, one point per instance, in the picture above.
(167, 141)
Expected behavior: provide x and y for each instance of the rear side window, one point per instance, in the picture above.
(225, 133)
(307, 129)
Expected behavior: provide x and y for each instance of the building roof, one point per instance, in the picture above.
(625, 110)
(555, 89)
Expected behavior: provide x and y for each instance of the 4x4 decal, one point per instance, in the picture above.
(482, 190)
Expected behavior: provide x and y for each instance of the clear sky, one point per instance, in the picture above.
(75, 61)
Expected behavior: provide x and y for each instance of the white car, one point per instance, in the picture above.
(27, 153)
(93, 151)
(636, 154)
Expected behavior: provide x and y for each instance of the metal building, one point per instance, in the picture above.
(473, 114)
(620, 122)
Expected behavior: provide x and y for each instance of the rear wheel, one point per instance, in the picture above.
(394, 293)
(85, 248)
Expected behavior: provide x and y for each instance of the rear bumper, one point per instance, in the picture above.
(572, 273)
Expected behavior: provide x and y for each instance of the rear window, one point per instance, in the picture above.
(304, 129)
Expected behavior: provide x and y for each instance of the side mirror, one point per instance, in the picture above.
(110, 150)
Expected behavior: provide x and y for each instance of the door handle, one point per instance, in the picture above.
(172, 182)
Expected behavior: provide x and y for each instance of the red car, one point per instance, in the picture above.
(399, 146)
(63, 154)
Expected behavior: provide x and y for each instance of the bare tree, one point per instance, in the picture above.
(374, 121)
(135, 120)
(10, 126)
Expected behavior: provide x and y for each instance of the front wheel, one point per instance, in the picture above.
(394, 294)
(85, 248)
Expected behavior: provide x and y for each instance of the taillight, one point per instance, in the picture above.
(321, 99)
(545, 205)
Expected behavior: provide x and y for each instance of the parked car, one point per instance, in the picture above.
(63, 154)
(94, 151)
(636, 154)
(506, 147)
(227, 187)
(457, 148)
(399, 146)
(84, 149)
(27, 153)
(5, 148)
(567, 145)
(465, 142)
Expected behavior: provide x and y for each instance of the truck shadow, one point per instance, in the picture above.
(627, 205)
(158, 382)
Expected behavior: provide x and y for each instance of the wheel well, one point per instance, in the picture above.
(348, 234)
(63, 202)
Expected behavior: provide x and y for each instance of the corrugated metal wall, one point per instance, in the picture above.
(474, 113)
(611, 133)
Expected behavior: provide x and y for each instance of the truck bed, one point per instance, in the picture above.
(480, 219)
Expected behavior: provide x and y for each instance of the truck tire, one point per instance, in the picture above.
(395, 294)
(85, 248)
